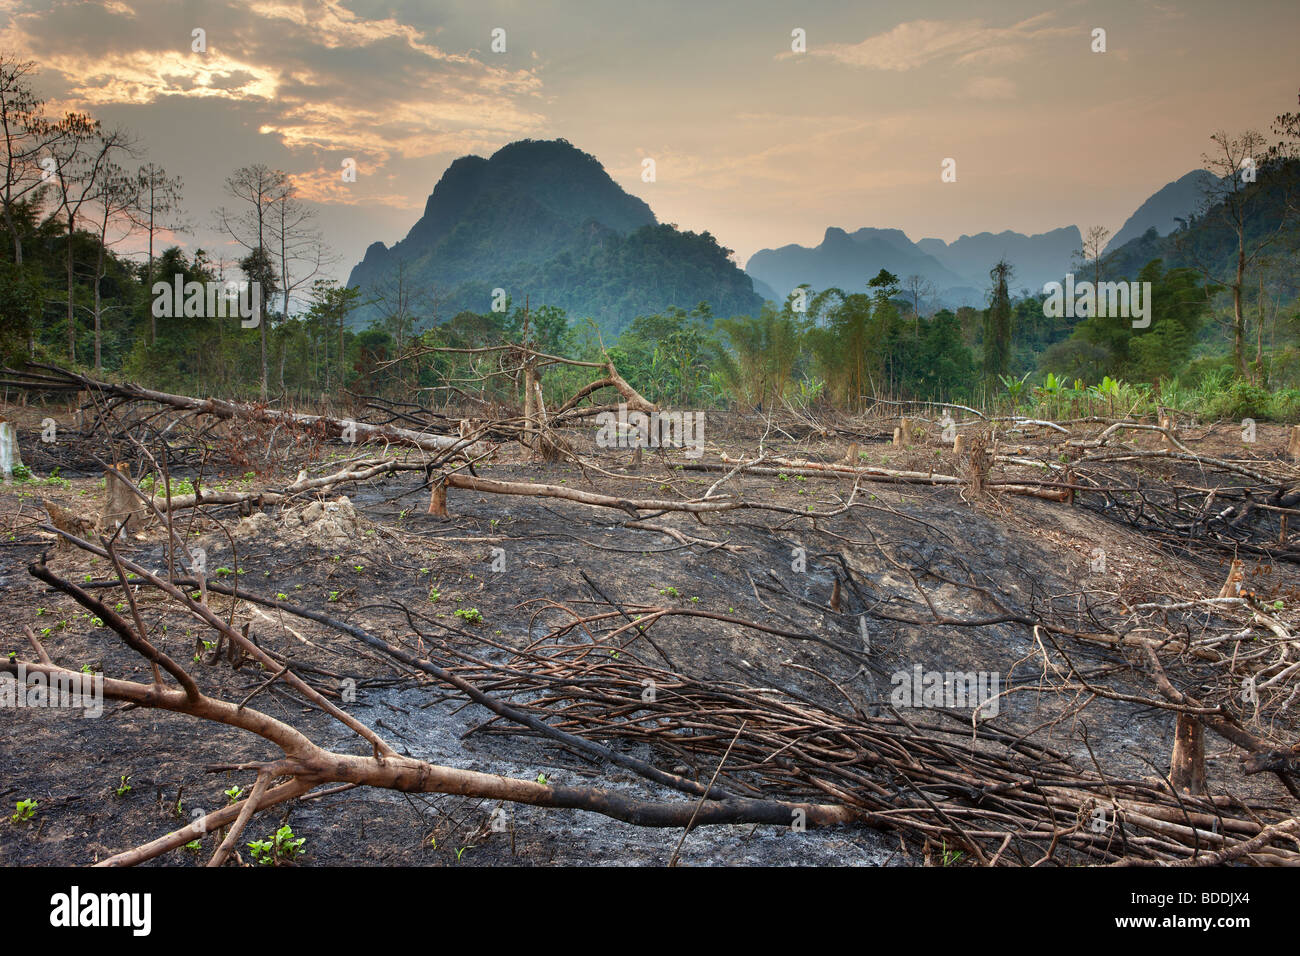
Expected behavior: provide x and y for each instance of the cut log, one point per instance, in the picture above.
(239, 411)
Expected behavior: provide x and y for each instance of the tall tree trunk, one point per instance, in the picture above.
(262, 326)
(1238, 318)
(72, 322)
(18, 239)
(148, 274)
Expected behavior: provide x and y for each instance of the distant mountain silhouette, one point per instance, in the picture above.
(1036, 259)
(542, 218)
(959, 271)
(1167, 209)
(1206, 241)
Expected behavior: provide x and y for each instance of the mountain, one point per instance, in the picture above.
(1167, 209)
(542, 218)
(959, 271)
(1208, 242)
(1036, 259)
(845, 260)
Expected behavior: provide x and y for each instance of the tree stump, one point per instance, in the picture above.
(1232, 586)
(959, 445)
(438, 499)
(851, 454)
(977, 469)
(121, 506)
(10, 456)
(1187, 764)
(1170, 425)
(1293, 446)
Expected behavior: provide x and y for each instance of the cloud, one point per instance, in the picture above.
(312, 73)
(918, 42)
(991, 88)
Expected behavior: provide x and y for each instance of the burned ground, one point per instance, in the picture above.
(809, 600)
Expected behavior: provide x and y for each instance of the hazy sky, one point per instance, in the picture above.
(760, 145)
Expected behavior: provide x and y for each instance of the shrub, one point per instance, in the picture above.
(1241, 399)
(1286, 405)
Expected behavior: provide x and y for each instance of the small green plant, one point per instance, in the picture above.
(669, 591)
(26, 810)
(469, 615)
(177, 486)
(123, 787)
(194, 846)
(334, 596)
(234, 793)
(1014, 387)
(281, 848)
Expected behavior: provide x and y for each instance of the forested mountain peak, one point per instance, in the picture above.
(543, 218)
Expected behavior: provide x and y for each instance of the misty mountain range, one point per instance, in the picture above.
(542, 218)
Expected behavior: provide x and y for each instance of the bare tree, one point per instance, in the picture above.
(400, 303)
(115, 199)
(159, 197)
(24, 136)
(1092, 252)
(299, 247)
(83, 154)
(919, 288)
(259, 188)
(1232, 201)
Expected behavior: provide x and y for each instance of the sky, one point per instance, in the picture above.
(758, 142)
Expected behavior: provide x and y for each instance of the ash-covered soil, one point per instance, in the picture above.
(370, 555)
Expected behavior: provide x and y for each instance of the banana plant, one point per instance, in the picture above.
(1014, 388)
